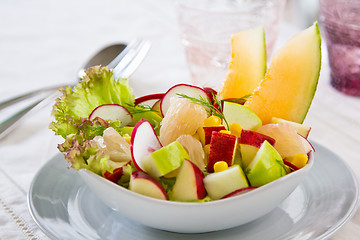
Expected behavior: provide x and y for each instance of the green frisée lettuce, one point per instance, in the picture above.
(87, 130)
(98, 87)
(88, 155)
(71, 113)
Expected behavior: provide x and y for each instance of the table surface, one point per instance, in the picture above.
(43, 43)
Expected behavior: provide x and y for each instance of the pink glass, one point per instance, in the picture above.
(340, 21)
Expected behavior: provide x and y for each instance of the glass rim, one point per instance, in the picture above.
(192, 5)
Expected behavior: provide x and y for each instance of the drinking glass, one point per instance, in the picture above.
(206, 27)
(340, 20)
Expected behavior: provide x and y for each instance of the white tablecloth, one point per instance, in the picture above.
(44, 43)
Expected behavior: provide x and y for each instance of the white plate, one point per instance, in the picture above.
(64, 207)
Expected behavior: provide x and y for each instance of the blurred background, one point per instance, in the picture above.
(62, 27)
(301, 13)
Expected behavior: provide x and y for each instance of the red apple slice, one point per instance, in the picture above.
(249, 143)
(189, 90)
(112, 112)
(222, 148)
(115, 176)
(239, 192)
(143, 184)
(150, 99)
(254, 138)
(209, 130)
(143, 142)
(117, 173)
(189, 183)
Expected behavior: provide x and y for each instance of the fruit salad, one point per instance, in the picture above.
(191, 143)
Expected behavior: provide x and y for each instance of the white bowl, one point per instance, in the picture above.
(186, 217)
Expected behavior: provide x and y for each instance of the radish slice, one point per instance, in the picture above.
(308, 146)
(289, 164)
(211, 93)
(189, 90)
(112, 112)
(239, 192)
(143, 142)
(156, 107)
(149, 99)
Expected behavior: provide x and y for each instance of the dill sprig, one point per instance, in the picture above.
(208, 105)
(139, 109)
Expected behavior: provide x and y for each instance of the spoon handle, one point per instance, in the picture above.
(13, 122)
(43, 92)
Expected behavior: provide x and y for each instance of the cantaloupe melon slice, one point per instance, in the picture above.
(247, 65)
(290, 82)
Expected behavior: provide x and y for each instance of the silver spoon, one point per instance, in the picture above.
(123, 59)
(109, 56)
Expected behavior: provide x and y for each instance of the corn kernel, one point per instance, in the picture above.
(212, 121)
(220, 166)
(235, 129)
(207, 149)
(299, 160)
(225, 131)
(127, 139)
(201, 134)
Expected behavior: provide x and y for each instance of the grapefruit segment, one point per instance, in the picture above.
(247, 65)
(182, 117)
(290, 82)
(287, 141)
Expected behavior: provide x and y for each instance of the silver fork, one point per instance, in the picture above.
(123, 66)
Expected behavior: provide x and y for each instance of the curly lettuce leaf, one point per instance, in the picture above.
(125, 178)
(98, 87)
(87, 130)
(90, 156)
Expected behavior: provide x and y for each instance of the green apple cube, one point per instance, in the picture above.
(237, 113)
(165, 159)
(219, 184)
(266, 166)
(248, 152)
